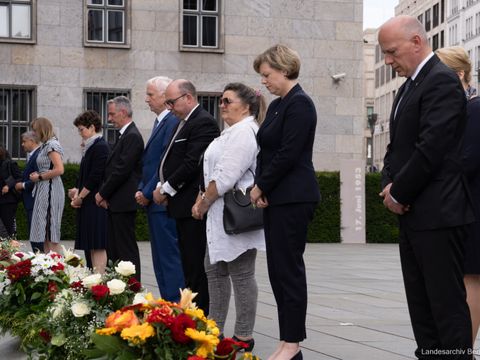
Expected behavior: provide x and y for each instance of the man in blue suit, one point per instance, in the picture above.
(163, 236)
(30, 145)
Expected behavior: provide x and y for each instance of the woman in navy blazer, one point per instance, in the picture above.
(286, 186)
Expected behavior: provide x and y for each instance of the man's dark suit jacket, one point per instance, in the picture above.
(285, 171)
(423, 159)
(123, 171)
(156, 146)
(30, 167)
(182, 166)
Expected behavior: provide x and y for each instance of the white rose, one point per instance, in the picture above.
(91, 280)
(139, 298)
(58, 310)
(116, 286)
(125, 268)
(80, 309)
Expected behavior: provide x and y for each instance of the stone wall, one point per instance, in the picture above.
(327, 35)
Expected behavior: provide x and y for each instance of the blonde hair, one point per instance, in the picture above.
(43, 127)
(281, 58)
(456, 58)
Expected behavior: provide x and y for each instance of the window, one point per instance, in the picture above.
(201, 25)
(442, 12)
(435, 15)
(211, 103)
(420, 18)
(95, 99)
(106, 23)
(435, 42)
(442, 39)
(394, 73)
(427, 20)
(17, 21)
(377, 78)
(16, 112)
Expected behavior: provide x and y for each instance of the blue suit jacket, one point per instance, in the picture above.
(31, 166)
(152, 155)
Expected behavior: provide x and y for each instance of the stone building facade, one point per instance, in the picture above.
(60, 57)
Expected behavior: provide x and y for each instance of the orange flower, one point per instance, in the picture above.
(121, 320)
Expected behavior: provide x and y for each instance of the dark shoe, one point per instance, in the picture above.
(298, 356)
(250, 343)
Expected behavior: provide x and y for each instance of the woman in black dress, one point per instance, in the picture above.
(9, 176)
(91, 219)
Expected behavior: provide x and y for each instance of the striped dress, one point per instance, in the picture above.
(49, 198)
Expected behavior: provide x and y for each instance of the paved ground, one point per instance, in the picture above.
(356, 311)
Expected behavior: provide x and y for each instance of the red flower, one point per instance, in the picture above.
(45, 335)
(52, 289)
(195, 357)
(161, 314)
(100, 291)
(58, 267)
(55, 256)
(134, 285)
(180, 324)
(19, 255)
(77, 286)
(228, 346)
(18, 271)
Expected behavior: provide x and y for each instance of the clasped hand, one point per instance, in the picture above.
(390, 204)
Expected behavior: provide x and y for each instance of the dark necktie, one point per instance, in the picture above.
(404, 92)
(155, 124)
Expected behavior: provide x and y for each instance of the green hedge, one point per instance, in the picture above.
(325, 227)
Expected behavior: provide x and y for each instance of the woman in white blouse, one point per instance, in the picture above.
(230, 161)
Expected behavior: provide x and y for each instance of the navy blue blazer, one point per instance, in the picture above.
(152, 155)
(285, 170)
(30, 167)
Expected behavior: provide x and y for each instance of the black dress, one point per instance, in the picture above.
(92, 219)
(471, 162)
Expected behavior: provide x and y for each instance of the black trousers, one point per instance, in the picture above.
(121, 242)
(7, 215)
(192, 241)
(432, 266)
(285, 237)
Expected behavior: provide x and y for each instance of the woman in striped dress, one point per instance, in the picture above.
(49, 191)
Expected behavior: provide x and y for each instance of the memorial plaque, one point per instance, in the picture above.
(352, 195)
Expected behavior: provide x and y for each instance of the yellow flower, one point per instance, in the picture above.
(212, 327)
(206, 343)
(186, 297)
(196, 314)
(137, 334)
(106, 331)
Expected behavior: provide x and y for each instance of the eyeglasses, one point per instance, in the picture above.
(226, 101)
(171, 102)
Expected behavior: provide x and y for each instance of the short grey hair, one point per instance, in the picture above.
(30, 135)
(122, 102)
(187, 87)
(160, 82)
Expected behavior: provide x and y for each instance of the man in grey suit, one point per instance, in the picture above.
(123, 171)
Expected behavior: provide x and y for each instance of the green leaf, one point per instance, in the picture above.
(108, 344)
(95, 354)
(36, 296)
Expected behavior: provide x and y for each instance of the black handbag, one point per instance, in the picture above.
(239, 215)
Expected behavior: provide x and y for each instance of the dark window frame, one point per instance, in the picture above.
(109, 132)
(10, 124)
(428, 20)
(210, 101)
(436, 17)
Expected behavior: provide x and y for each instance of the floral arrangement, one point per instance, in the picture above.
(60, 310)
(78, 310)
(158, 329)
